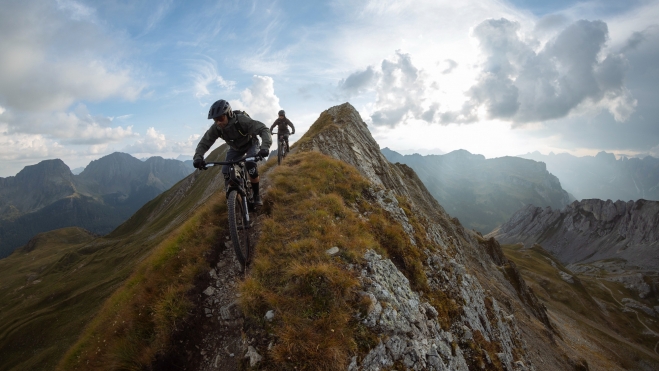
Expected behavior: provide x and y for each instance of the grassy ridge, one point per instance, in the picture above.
(315, 203)
(312, 293)
(593, 305)
(49, 295)
(138, 320)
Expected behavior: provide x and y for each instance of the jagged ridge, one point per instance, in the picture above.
(456, 262)
(590, 230)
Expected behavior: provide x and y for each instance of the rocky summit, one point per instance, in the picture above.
(495, 322)
(590, 230)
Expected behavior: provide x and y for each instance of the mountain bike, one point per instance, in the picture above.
(240, 200)
(282, 148)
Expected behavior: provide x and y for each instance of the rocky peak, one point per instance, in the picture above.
(35, 187)
(483, 293)
(341, 133)
(590, 230)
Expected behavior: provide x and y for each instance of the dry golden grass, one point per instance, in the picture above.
(137, 322)
(315, 203)
(312, 293)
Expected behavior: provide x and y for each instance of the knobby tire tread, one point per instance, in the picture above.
(233, 203)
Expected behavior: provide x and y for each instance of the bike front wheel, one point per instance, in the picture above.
(239, 228)
(280, 155)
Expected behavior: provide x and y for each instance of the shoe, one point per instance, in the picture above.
(258, 201)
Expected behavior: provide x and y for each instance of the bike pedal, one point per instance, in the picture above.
(251, 224)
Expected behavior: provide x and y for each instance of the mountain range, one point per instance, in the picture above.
(590, 230)
(603, 176)
(483, 193)
(108, 191)
(356, 266)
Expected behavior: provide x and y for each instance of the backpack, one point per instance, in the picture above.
(237, 111)
(241, 130)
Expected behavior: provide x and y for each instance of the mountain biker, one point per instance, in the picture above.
(282, 124)
(239, 131)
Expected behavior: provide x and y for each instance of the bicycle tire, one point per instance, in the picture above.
(280, 155)
(237, 228)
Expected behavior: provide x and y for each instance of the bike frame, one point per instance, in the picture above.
(237, 184)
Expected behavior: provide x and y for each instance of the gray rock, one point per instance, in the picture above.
(210, 290)
(332, 251)
(566, 277)
(269, 315)
(590, 230)
(230, 311)
(631, 303)
(253, 355)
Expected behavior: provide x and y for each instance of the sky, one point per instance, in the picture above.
(82, 79)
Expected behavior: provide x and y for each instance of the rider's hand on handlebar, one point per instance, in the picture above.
(264, 153)
(199, 163)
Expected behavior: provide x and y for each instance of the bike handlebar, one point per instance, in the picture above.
(256, 158)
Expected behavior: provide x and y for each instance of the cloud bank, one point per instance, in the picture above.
(522, 85)
(259, 100)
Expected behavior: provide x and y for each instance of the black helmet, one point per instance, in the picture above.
(219, 108)
(282, 113)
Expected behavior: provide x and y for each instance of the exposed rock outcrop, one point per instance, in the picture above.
(486, 312)
(590, 230)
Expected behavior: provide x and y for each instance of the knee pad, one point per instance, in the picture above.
(252, 169)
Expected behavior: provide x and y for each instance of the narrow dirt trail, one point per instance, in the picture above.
(214, 338)
(635, 312)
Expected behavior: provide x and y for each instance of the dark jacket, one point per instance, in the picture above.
(282, 125)
(240, 134)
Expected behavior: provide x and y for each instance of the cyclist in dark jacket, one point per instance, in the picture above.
(282, 124)
(239, 131)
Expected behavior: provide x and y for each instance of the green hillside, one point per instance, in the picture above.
(51, 289)
(591, 308)
(48, 196)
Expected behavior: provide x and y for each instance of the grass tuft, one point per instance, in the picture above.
(137, 322)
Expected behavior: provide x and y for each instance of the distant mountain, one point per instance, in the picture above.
(77, 170)
(590, 230)
(53, 286)
(423, 152)
(484, 193)
(604, 177)
(34, 187)
(48, 196)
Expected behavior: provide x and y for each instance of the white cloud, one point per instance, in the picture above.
(20, 150)
(400, 87)
(259, 100)
(27, 146)
(54, 55)
(451, 66)
(206, 79)
(152, 142)
(517, 83)
(76, 127)
(654, 151)
(156, 143)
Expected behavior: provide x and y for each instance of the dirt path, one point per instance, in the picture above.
(214, 337)
(635, 312)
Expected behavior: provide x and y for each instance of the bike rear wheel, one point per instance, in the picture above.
(239, 228)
